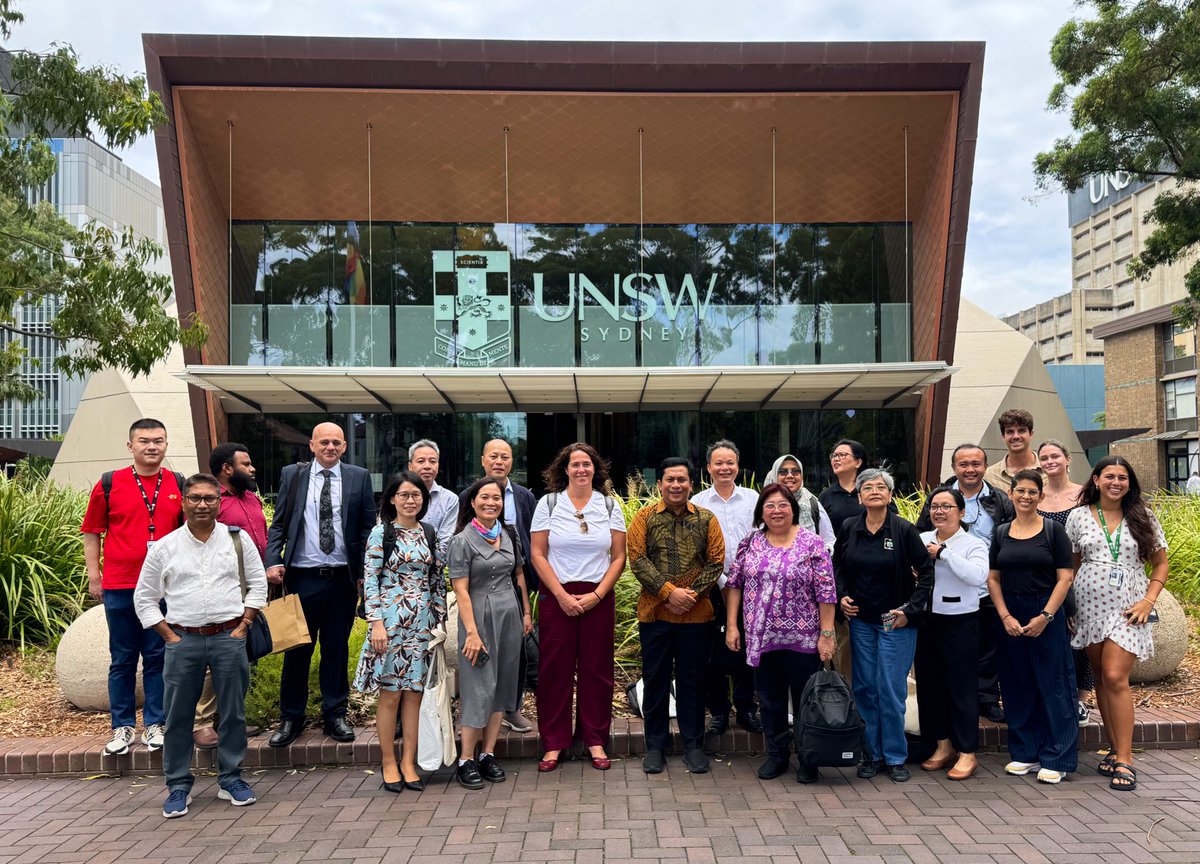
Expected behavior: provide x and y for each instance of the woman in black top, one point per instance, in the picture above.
(840, 499)
(874, 561)
(1029, 577)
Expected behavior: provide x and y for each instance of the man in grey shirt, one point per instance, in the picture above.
(195, 570)
(424, 459)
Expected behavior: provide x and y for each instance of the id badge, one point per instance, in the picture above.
(1116, 577)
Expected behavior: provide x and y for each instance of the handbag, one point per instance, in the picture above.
(435, 730)
(280, 625)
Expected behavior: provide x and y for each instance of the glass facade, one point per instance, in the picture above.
(409, 295)
(634, 443)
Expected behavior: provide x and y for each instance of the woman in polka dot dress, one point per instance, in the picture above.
(1115, 536)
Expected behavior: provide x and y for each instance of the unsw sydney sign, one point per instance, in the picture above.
(473, 290)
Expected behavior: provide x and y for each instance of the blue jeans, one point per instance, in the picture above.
(126, 640)
(880, 660)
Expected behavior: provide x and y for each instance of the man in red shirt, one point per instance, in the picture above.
(241, 508)
(131, 509)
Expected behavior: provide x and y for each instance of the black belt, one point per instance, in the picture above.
(210, 629)
(340, 570)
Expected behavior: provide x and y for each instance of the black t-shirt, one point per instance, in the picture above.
(1029, 566)
(842, 505)
(874, 568)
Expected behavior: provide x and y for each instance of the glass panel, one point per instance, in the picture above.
(843, 274)
(412, 286)
(682, 285)
(543, 262)
(847, 333)
(728, 324)
(301, 289)
(362, 336)
(297, 336)
(247, 292)
(895, 332)
(789, 335)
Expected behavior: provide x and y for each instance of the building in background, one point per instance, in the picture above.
(90, 184)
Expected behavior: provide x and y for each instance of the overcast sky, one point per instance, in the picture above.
(1018, 244)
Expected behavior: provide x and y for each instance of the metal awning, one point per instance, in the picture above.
(345, 389)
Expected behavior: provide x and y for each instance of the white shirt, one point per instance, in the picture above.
(1193, 485)
(309, 554)
(958, 573)
(735, 516)
(199, 580)
(575, 556)
(442, 515)
(510, 505)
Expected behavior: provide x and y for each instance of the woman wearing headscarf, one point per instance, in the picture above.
(788, 471)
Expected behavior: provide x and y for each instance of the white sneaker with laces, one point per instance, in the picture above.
(1048, 776)
(1020, 769)
(121, 740)
(152, 736)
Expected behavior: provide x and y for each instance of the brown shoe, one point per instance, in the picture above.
(957, 773)
(932, 764)
(205, 738)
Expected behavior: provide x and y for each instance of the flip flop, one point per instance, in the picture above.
(1124, 778)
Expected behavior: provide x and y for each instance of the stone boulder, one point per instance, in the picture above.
(1170, 642)
(82, 662)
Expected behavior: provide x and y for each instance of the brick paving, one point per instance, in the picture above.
(580, 815)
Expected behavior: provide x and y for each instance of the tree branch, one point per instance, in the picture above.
(19, 331)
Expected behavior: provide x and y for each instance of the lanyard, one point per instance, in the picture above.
(1113, 541)
(150, 504)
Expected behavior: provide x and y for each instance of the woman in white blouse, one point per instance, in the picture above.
(947, 661)
(578, 540)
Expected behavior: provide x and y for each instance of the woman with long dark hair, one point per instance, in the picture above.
(405, 599)
(1115, 536)
(578, 534)
(840, 498)
(485, 558)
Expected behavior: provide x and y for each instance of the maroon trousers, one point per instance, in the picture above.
(576, 657)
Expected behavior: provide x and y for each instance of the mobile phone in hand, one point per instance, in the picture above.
(481, 659)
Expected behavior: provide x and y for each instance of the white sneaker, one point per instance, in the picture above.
(1020, 769)
(152, 736)
(1048, 776)
(120, 743)
(1084, 714)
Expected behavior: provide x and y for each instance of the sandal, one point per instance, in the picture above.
(1124, 778)
(1105, 768)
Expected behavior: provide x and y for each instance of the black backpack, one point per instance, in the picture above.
(828, 730)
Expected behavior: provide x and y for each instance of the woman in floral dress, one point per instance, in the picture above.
(1115, 536)
(405, 598)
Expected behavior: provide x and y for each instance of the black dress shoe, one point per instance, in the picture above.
(993, 712)
(807, 774)
(396, 787)
(717, 724)
(773, 767)
(490, 769)
(899, 773)
(749, 721)
(468, 775)
(288, 731)
(338, 729)
(868, 768)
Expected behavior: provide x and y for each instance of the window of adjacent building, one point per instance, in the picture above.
(1102, 249)
(1178, 341)
(1095, 354)
(1082, 283)
(1180, 398)
(1177, 465)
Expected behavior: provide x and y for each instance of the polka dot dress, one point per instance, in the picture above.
(1100, 607)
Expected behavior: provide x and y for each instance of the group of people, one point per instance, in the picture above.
(743, 596)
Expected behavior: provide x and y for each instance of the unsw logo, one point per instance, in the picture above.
(472, 307)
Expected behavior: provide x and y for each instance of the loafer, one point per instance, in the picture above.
(601, 763)
(775, 766)
(807, 774)
(288, 731)
(899, 773)
(749, 721)
(868, 768)
(468, 775)
(545, 766)
(205, 738)
(653, 762)
(1020, 769)
(717, 724)
(490, 770)
(695, 761)
(338, 729)
(992, 711)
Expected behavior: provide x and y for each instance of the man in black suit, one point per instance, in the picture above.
(519, 504)
(315, 546)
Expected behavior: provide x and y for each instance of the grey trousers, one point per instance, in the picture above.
(184, 666)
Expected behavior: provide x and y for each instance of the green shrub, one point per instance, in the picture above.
(43, 581)
(1179, 516)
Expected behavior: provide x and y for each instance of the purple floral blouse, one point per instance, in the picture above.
(780, 592)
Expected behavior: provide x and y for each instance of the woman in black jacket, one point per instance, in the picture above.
(875, 559)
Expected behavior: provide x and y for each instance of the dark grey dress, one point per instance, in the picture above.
(499, 620)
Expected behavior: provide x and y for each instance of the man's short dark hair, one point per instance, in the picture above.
(200, 480)
(223, 454)
(723, 444)
(1015, 417)
(146, 423)
(954, 455)
(677, 462)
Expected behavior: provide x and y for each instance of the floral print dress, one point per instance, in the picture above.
(409, 597)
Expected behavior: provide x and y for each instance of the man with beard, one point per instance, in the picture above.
(240, 508)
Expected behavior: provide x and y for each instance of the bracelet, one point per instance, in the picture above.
(598, 597)
(1162, 582)
(828, 634)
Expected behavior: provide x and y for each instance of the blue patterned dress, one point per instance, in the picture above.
(409, 596)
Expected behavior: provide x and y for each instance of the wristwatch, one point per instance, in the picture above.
(828, 634)
(1049, 616)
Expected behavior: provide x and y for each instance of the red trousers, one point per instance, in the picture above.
(576, 657)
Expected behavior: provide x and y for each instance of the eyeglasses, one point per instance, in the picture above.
(940, 508)
(777, 505)
(787, 472)
(203, 499)
(583, 526)
(1026, 493)
(408, 496)
(837, 457)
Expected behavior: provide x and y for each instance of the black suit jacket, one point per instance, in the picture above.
(524, 503)
(286, 533)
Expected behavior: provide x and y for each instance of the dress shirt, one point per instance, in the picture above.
(309, 554)
(510, 504)
(442, 515)
(198, 579)
(735, 515)
(245, 511)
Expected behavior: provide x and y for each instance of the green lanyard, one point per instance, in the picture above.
(1113, 541)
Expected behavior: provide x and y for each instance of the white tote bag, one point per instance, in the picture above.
(435, 736)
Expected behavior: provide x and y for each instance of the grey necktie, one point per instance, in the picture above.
(326, 513)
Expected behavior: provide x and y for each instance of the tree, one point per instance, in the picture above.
(1130, 78)
(109, 307)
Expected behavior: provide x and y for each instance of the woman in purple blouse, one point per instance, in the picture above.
(782, 581)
